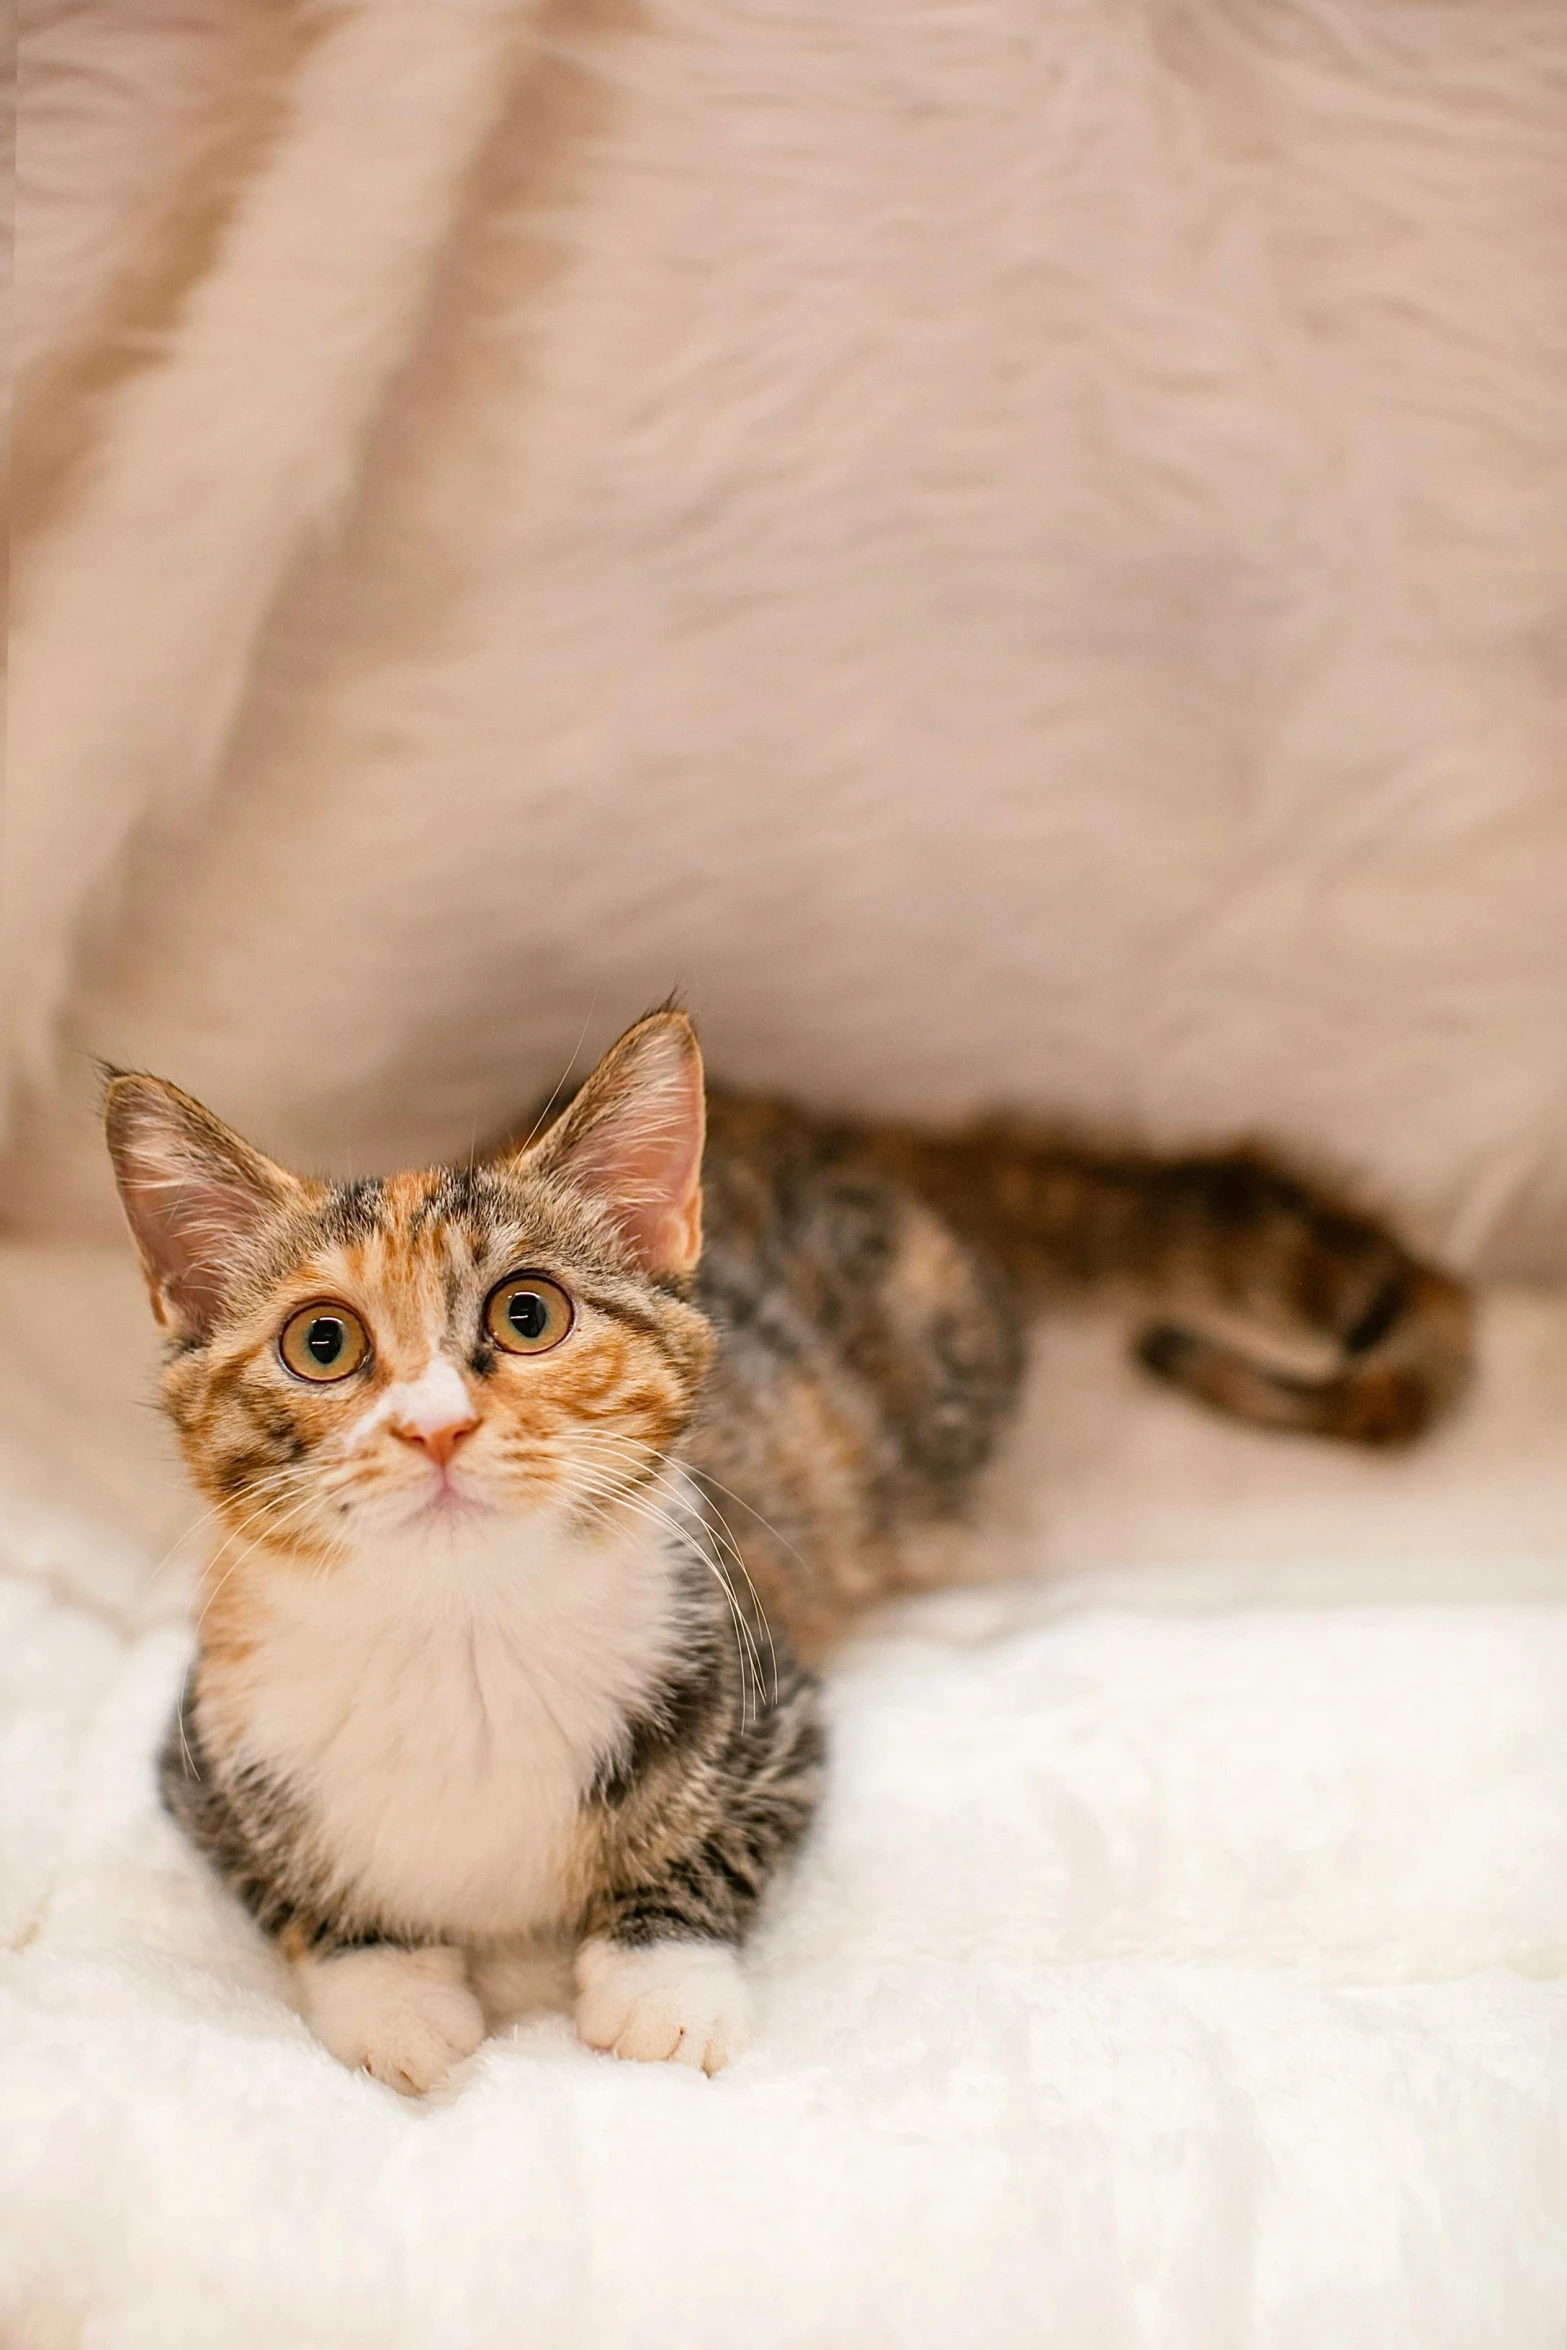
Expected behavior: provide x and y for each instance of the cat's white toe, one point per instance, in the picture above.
(672, 2002)
(406, 2016)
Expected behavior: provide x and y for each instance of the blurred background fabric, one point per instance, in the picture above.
(1015, 551)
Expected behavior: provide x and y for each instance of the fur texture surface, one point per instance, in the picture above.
(1180, 1959)
(1035, 531)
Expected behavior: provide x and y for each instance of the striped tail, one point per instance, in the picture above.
(1226, 1240)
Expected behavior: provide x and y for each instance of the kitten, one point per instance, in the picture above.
(482, 1664)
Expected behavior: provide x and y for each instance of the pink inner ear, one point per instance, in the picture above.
(193, 1193)
(189, 1229)
(633, 1138)
(656, 1196)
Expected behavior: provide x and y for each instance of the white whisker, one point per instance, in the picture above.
(617, 1497)
(725, 1530)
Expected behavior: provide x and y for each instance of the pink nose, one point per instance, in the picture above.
(435, 1410)
(439, 1443)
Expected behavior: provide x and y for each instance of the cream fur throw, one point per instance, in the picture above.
(1018, 551)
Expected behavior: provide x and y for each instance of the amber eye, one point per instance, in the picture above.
(324, 1341)
(528, 1314)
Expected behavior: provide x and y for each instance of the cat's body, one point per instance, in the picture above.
(499, 1645)
(872, 1286)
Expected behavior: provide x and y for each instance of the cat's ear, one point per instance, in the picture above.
(633, 1139)
(192, 1191)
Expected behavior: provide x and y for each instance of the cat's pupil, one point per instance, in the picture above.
(528, 1314)
(324, 1339)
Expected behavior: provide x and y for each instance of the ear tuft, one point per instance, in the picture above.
(632, 1140)
(193, 1192)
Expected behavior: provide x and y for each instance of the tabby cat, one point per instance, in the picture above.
(530, 1498)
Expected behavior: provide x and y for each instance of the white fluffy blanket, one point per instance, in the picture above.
(1179, 1962)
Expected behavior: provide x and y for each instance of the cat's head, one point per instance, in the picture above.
(350, 1360)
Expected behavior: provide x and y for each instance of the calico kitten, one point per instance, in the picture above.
(529, 1500)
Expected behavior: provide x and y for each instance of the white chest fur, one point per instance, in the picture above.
(443, 1705)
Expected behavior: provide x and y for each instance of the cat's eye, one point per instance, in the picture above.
(324, 1341)
(528, 1314)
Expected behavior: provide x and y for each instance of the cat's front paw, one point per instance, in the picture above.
(407, 2016)
(666, 2002)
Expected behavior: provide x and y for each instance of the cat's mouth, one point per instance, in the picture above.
(441, 1501)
